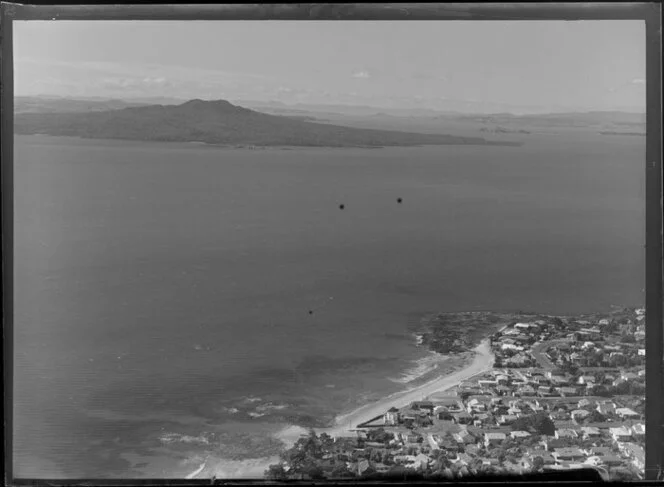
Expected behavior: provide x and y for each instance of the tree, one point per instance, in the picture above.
(465, 395)
(315, 472)
(628, 338)
(543, 424)
(376, 456)
(379, 435)
(326, 440)
(276, 472)
(340, 471)
(538, 463)
(612, 327)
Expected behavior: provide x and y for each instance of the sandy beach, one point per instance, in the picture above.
(482, 362)
(254, 468)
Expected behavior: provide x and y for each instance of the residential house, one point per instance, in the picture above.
(559, 378)
(481, 418)
(544, 391)
(599, 451)
(627, 413)
(433, 441)
(583, 403)
(413, 438)
(392, 416)
(464, 437)
(525, 326)
(611, 460)
(578, 358)
(464, 459)
(629, 376)
(636, 453)
(568, 391)
(408, 420)
(565, 424)
(569, 454)
(565, 433)
(639, 431)
(519, 434)
(546, 457)
(507, 419)
(450, 402)
(418, 462)
(579, 414)
(621, 434)
(560, 415)
(422, 406)
(362, 466)
(492, 439)
(476, 405)
(606, 407)
(526, 391)
(586, 379)
(590, 432)
(463, 418)
(514, 411)
(516, 403)
(423, 420)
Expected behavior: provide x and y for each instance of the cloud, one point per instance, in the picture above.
(361, 74)
(628, 84)
(110, 78)
(146, 83)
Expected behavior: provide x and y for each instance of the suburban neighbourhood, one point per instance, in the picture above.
(564, 393)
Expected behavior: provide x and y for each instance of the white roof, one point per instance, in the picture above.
(626, 412)
(620, 431)
(520, 433)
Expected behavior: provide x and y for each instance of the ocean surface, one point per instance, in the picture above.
(176, 299)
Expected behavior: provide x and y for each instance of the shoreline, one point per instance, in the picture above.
(480, 363)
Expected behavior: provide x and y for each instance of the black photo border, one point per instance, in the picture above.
(649, 12)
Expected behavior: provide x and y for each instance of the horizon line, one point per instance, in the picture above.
(534, 110)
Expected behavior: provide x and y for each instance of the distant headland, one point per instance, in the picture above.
(221, 123)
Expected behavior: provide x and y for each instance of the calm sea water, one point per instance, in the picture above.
(168, 292)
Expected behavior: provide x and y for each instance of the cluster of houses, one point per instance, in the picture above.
(487, 418)
(541, 407)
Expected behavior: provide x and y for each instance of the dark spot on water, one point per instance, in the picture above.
(311, 312)
(399, 200)
(342, 206)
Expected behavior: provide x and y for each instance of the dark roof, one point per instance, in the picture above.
(423, 403)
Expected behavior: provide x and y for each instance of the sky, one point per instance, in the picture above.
(517, 66)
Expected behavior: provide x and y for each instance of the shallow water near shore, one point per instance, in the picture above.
(176, 303)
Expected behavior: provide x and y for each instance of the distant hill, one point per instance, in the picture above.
(220, 122)
(583, 119)
(33, 104)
